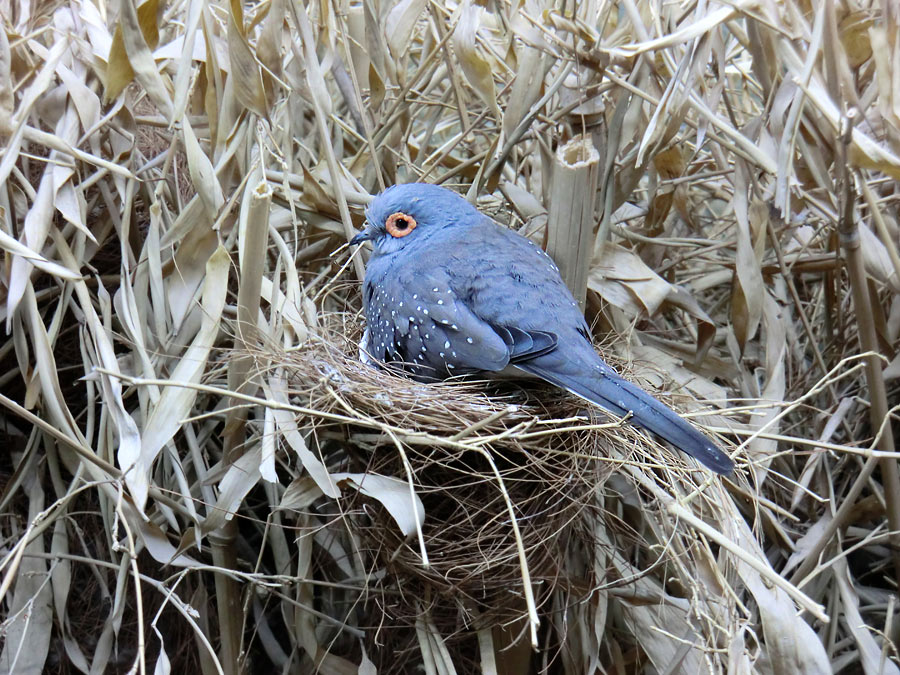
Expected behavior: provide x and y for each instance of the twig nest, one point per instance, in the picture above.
(478, 451)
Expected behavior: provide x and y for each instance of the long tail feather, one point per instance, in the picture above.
(621, 396)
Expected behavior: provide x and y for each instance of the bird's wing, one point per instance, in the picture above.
(414, 316)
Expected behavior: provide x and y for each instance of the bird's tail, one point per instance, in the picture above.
(620, 396)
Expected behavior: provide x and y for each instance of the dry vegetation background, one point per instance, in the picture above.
(198, 474)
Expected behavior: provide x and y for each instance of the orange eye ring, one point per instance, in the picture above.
(400, 224)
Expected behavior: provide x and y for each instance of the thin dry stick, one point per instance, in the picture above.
(131, 552)
(798, 305)
(83, 451)
(879, 407)
(180, 606)
(533, 619)
(767, 572)
(878, 411)
(490, 419)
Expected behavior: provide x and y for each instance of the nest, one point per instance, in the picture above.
(477, 451)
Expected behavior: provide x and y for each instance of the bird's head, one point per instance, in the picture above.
(404, 215)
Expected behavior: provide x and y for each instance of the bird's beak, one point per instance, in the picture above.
(368, 234)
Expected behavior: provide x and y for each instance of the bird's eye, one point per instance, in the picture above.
(400, 224)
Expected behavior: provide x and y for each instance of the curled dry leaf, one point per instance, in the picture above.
(405, 507)
(248, 85)
(119, 69)
(399, 24)
(475, 66)
(748, 287)
(139, 35)
(623, 279)
(203, 175)
(620, 277)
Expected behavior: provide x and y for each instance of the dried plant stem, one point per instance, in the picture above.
(254, 227)
(228, 603)
(570, 223)
(878, 410)
(481, 424)
(141, 657)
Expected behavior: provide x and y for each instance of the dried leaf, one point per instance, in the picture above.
(11, 245)
(203, 175)
(189, 52)
(405, 508)
(30, 618)
(269, 48)
(7, 105)
(621, 278)
(175, 402)
(748, 288)
(37, 88)
(139, 34)
(191, 257)
(792, 645)
(399, 24)
(476, 67)
(774, 388)
(300, 494)
(855, 29)
(241, 477)
(276, 390)
(877, 259)
(248, 84)
(37, 225)
(874, 660)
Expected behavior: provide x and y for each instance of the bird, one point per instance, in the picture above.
(449, 291)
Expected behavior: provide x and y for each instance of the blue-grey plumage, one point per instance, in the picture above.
(448, 291)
